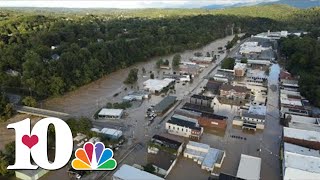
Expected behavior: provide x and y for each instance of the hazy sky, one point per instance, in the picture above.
(121, 4)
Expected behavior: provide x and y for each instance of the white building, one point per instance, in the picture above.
(249, 167)
(110, 133)
(157, 85)
(254, 118)
(127, 172)
(204, 155)
(299, 166)
(252, 47)
(184, 128)
(110, 113)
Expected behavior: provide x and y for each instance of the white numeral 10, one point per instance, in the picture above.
(35, 143)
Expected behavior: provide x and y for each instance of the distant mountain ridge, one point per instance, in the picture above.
(294, 3)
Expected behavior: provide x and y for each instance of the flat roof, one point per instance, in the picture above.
(197, 108)
(301, 150)
(127, 172)
(31, 172)
(182, 117)
(184, 123)
(258, 109)
(110, 112)
(199, 145)
(304, 119)
(170, 142)
(292, 173)
(301, 134)
(202, 97)
(251, 115)
(165, 103)
(162, 159)
(213, 156)
(302, 162)
(249, 167)
(112, 132)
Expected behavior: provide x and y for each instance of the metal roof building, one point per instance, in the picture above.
(127, 172)
(165, 104)
(249, 167)
(110, 113)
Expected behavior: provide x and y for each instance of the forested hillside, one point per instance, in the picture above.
(52, 53)
(302, 58)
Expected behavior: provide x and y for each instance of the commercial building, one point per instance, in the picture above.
(201, 100)
(207, 120)
(197, 108)
(113, 134)
(240, 69)
(164, 104)
(204, 155)
(202, 60)
(305, 138)
(189, 69)
(31, 174)
(184, 128)
(253, 118)
(157, 85)
(252, 47)
(294, 110)
(127, 172)
(213, 86)
(136, 96)
(299, 166)
(233, 92)
(110, 113)
(157, 142)
(256, 76)
(163, 153)
(249, 167)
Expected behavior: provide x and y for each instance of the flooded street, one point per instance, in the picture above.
(86, 100)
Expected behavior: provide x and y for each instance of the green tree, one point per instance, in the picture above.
(176, 60)
(244, 60)
(159, 63)
(149, 168)
(132, 76)
(29, 101)
(143, 70)
(228, 63)
(151, 76)
(208, 54)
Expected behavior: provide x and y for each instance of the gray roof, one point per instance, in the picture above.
(162, 159)
(164, 104)
(31, 173)
(250, 115)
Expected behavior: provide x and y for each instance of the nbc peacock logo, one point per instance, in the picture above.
(94, 157)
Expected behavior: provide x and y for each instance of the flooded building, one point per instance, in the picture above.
(240, 69)
(157, 85)
(184, 128)
(163, 153)
(202, 60)
(126, 172)
(305, 138)
(249, 167)
(110, 113)
(164, 104)
(203, 154)
(201, 100)
(234, 92)
(213, 86)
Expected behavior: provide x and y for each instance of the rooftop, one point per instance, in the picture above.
(257, 109)
(196, 96)
(184, 123)
(251, 115)
(240, 66)
(110, 112)
(162, 159)
(292, 173)
(249, 167)
(31, 173)
(197, 108)
(302, 162)
(157, 84)
(301, 134)
(127, 172)
(228, 87)
(182, 117)
(167, 142)
(165, 103)
(301, 150)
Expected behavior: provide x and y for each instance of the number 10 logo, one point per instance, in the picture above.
(34, 143)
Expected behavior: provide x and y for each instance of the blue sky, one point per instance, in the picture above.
(122, 4)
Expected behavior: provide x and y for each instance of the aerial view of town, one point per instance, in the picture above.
(177, 90)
